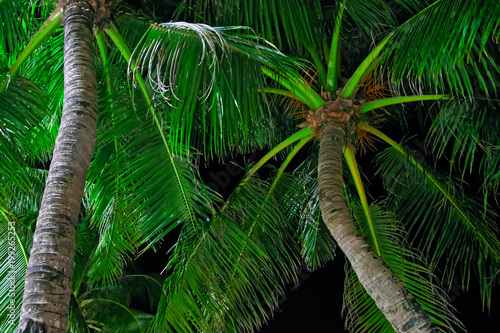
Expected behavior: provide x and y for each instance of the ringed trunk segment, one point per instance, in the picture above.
(48, 281)
(388, 292)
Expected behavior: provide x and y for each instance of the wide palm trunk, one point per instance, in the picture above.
(399, 306)
(49, 274)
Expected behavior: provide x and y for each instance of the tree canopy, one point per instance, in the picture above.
(187, 82)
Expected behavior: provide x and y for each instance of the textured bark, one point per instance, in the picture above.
(391, 297)
(49, 274)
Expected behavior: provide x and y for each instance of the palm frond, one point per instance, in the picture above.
(362, 315)
(229, 277)
(447, 46)
(436, 214)
(87, 240)
(22, 134)
(211, 78)
(76, 319)
(111, 316)
(15, 29)
(468, 136)
(137, 191)
(371, 16)
(293, 23)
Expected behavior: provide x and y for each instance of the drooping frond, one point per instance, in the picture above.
(212, 80)
(228, 277)
(137, 190)
(360, 311)
(87, 240)
(45, 67)
(437, 214)
(22, 134)
(108, 306)
(362, 315)
(111, 316)
(471, 131)
(447, 46)
(166, 194)
(76, 320)
(292, 23)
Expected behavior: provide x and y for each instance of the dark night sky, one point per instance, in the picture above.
(317, 304)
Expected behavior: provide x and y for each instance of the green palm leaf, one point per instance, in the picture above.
(45, 66)
(229, 277)
(437, 214)
(14, 33)
(22, 139)
(294, 22)
(138, 192)
(109, 308)
(298, 198)
(446, 45)
(471, 133)
(211, 78)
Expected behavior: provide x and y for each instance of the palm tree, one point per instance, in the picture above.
(230, 263)
(137, 190)
(339, 119)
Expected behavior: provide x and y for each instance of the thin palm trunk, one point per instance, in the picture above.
(49, 274)
(398, 306)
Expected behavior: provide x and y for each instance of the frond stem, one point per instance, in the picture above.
(350, 88)
(281, 92)
(289, 158)
(299, 88)
(398, 100)
(319, 66)
(333, 70)
(282, 145)
(353, 167)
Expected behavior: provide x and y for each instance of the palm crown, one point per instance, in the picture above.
(211, 92)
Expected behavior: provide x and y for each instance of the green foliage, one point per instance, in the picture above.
(299, 201)
(294, 23)
(210, 89)
(437, 215)
(228, 274)
(21, 136)
(447, 46)
(467, 135)
(207, 77)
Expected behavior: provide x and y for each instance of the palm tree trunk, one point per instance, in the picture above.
(48, 281)
(388, 292)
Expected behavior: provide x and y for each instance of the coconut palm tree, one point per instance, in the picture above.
(138, 188)
(230, 263)
(433, 207)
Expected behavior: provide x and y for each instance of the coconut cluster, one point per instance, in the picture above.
(339, 110)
